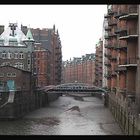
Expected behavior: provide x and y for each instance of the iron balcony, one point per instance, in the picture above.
(129, 34)
(131, 11)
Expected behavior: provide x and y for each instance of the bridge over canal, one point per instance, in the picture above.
(74, 88)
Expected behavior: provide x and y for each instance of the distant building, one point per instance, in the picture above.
(105, 53)
(99, 64)
(80, 69)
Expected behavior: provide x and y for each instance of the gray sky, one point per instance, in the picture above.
(79, 26)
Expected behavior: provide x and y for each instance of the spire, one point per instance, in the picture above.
(29, 35)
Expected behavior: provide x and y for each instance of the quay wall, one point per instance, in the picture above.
(16, 104)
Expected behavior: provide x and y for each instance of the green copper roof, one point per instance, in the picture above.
(29, 35)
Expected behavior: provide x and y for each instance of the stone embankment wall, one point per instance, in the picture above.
(124, 115)
(14, 105)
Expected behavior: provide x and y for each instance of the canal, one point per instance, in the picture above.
(90, 118)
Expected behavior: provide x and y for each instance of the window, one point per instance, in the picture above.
(16, 56)
(3, 55)
(1, 42)
(19, 65)
(5, 63)
(16, 65)
(8, 74)
(28, 67)
(11, 74)
(21, 56)
(28, 61)
(9, 55)
(29, 54)
(13, 43)
(1, 74)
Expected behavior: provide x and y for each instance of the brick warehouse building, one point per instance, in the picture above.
(80, 69)
(99, 64)
(51, 46)
(123, 58)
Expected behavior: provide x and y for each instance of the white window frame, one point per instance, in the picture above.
(8, 74)
(13, 74)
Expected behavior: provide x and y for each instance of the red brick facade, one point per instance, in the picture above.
(80, 70)
(51, 51)
(122, 43)
(99, 64)
(41, 63)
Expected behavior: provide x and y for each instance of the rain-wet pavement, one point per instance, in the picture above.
(58, 119)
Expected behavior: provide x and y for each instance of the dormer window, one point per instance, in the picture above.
(13, 42)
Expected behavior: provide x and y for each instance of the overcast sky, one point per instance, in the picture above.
(79, 26)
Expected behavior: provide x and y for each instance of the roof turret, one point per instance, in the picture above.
(29, 35)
